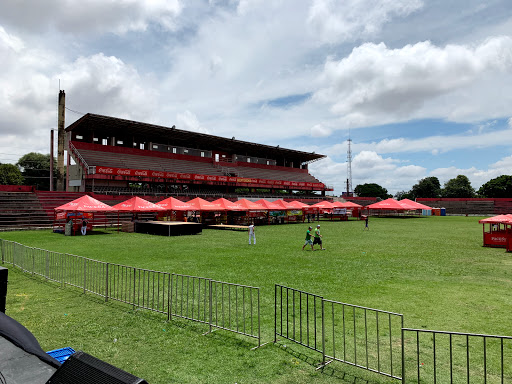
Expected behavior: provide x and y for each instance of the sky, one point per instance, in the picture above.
(420, 87)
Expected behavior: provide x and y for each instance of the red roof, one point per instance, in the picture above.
(203, 205)
(137, 204)
(228, 205)
(269, 206)
(85, 203)
(500, 219)
(250, 206)
(349, 204)
(390, 204)
(415, 204)
(172, 204)
(283, 204)
(323, 205)
(298, 204)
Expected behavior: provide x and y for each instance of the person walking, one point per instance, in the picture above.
(308, 239)
(318, 238)
(252, 234)
(84, 227)
(366, 223)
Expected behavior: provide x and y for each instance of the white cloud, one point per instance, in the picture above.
(376, 85)
(92, 16)
(320, 131)
(350, 20)
(188, 121)
(368, 167)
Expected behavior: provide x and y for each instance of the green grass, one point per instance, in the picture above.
(434, 270)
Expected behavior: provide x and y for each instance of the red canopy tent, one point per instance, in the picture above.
(388, 204)
(349, 206)
(86, 204)
(415, 204)
(203, 205)
(499, 233)
(173, 204)
(323, 205)
(251, 206)
(227, 205)
(268, 205)
(137, 204)
(283, 204)
(176, 209)
(298, 205)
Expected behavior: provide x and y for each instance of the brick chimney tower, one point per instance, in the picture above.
(61, 136)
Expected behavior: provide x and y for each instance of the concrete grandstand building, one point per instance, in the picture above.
(117, 156)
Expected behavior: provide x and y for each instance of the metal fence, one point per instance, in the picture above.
(360, 336)
(439, 356)
(221, 305)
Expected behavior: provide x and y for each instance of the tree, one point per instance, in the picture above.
(10, 175)
(500, 186)
(427, 187)
(459, 186)
(35, 168)
(403, 195)
(371, 190)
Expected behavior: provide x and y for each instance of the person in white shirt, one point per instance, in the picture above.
(252, 234)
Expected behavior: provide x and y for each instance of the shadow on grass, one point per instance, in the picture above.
(328, 370)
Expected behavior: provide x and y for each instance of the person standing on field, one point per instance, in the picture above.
(366, 223)
(318, 238)
(308, 239)
(84, 227)
(252, 234)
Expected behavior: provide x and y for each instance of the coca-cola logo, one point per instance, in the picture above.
(171, 175)
(123, 172)
(141, 173)
(105, 170)
(157, 174)
(499, 239)
(211, 178)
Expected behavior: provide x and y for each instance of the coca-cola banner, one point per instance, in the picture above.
(191, 176)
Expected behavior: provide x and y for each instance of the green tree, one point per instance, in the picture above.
(500, 186)
(35, 168)
(371, 190)
(459, 186)
(427, 187)
(10, 175)
(403, 195)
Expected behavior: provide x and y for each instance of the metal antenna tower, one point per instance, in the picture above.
(349, 167)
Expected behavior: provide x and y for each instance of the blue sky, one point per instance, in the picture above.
(421, 86)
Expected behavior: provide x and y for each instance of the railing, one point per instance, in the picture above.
(439, 356)
(220, 305)
(363, 337)
(360, 336)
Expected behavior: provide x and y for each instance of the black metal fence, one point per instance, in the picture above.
(228, 306)
(363, 337)
(439, 357)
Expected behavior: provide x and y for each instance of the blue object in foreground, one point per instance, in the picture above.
(61, 354)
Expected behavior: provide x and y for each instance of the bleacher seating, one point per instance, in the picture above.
(21, 210)
(130, 161)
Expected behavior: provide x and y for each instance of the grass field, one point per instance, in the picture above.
(433, 270)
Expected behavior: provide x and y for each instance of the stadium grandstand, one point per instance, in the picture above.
(121, 157)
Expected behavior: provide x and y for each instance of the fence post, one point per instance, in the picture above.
(106, 284)
(134, 286)
(3, 248)
(169, 292)
(259, 322)
(85, 273)
(33, 260)
(403, 352)
(323, 331)
(275, 313)
(170, 296)
(47, 269)
(211, 304)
